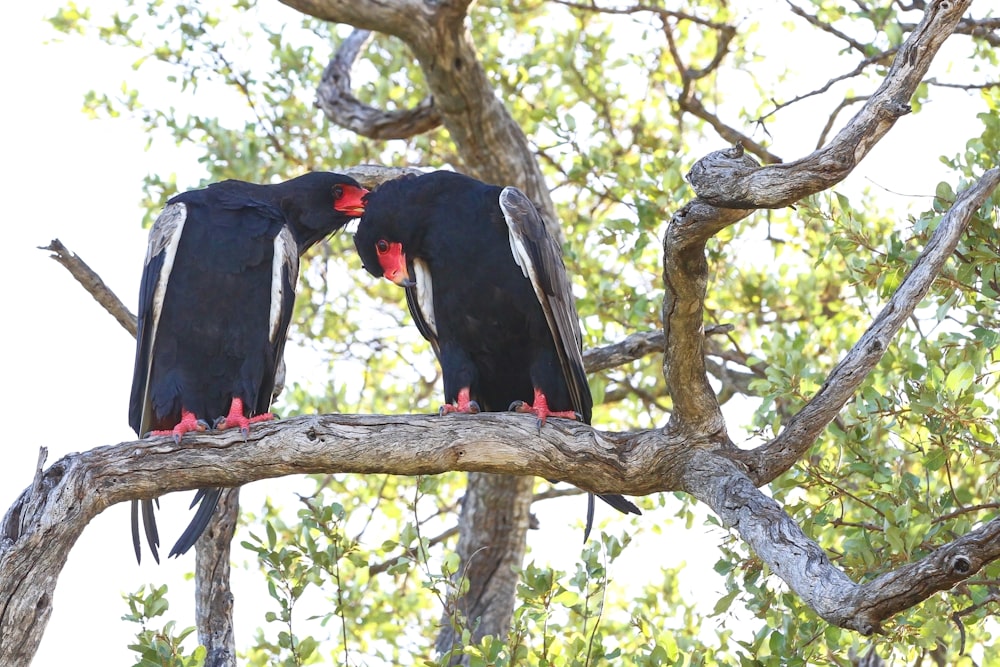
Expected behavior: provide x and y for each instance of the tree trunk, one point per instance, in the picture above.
(213, 597)
(492, 534)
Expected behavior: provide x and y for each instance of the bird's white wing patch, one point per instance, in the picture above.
(425, 294)
(164, 237)
(521, 256)
(285, 262)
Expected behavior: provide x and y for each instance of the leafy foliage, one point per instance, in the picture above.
(158, 648)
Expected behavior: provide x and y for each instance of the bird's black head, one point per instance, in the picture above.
(407, 218)
(391, 228)
(319, 203)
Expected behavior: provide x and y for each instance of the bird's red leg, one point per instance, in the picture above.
(187, 424)
(463, 404)
(237, 418)
(541, 409)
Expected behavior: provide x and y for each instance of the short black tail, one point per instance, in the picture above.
(207, 500)
(617, 501)
(149, 527)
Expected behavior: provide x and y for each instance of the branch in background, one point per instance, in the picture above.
(861, 67)
(984, 29)
(213, 595)
(847, 101)
(963, 86)
(379, 568)
(826, 27)
(334, 97)
(773, 458)
(693, 105)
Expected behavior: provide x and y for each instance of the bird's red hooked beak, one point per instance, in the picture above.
(393, 261)
(351, 200)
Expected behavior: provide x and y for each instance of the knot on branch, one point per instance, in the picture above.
(892, 110)
(960, 564)
(718, 177)
(334, 97)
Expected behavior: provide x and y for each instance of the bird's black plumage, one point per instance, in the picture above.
(486, 285)
(215, 302)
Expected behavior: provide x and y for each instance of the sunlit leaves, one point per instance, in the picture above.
(162, 647)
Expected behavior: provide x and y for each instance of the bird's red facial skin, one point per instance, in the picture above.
(350, 199)
(393, 261)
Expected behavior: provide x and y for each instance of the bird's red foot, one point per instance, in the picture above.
(541, 409)
(463, 404)
(237, 418)
(187, 424)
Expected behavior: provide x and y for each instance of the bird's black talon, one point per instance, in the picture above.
(205, 425)
(579, 417)
(177, 438)
(474, 408)
(218, 421)
(539, 422)
(246, 432)
(516, 406)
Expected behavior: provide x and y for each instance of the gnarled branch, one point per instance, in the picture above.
(334, 97)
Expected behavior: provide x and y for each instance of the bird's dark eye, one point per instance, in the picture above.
(338, 192)
(382, 246)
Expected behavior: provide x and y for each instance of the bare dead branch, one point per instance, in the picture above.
(93, 284)
(334, 97)
(771, 459)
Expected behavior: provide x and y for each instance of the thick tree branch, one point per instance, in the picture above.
(802, 564)
(685, 277)
(43, 524)
(780, 185)
(334, 97)
(734, 183)
(773, 458)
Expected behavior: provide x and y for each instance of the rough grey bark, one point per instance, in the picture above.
(335, 98)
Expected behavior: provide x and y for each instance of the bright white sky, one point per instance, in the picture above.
(69, 364)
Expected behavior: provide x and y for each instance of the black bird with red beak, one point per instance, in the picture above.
(215, 303)
(486, 285)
